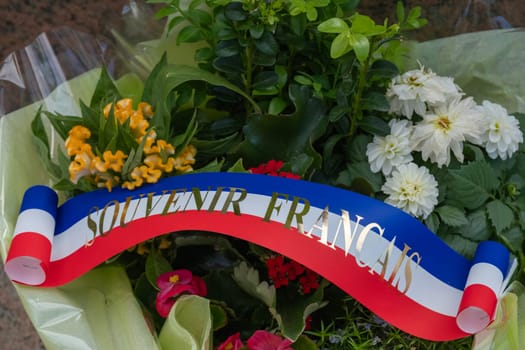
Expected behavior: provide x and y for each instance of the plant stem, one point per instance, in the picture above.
(357, 112)
(249, 71)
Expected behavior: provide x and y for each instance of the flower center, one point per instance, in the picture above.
(174, 279)
(413, 80)
(443, 123)
(228, 346)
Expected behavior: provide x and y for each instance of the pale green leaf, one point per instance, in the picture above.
(188, 326)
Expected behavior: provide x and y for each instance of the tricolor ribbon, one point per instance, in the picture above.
(381, 256)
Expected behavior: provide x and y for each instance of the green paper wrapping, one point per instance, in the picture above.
(97, 311)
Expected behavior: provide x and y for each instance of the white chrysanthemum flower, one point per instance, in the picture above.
(412, 189)
(414, 90)
(502, 131)
(386, 153)
(446, 128)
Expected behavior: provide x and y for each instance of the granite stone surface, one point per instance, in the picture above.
(23, 20)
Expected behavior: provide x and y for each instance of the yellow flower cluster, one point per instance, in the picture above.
(105, 170)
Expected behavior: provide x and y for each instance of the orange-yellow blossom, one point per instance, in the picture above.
(138, 125)
(113, 161)
(80, 166)
(186, 159)
(106, 180)
(77, 137)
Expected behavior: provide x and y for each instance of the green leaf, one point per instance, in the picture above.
(189, 34)
(432, 222)
(152, 81)
(500, 215)
(105, 91)
(361, 46)
(156, 265)
(382, 69)
(361, 170)
(365, 25)
(235, 12)
(276, 106)
(461, 245)
(264, 80)
(42, 143)
(267, 44)
(231, 64)
(238, 167)
(172, 76)
(452, 216)
(165, 12)
(218, 316)
(200, 17)
(472, 184)
(285, 136)
(333, 25)
(477, 229)
(340, 46)
(374, 125)
(292, 310)
(513, 238)
(304, 343)
(62, 124)
(248, 279)
(215, 148)
(375, 101)
(357, 148)
(227, 48)
(400, 12)
(264, 60)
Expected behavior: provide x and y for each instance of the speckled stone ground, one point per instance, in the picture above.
(23, 20)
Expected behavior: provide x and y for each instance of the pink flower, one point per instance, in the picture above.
(262, 340)
(174, 283)
(232, 343)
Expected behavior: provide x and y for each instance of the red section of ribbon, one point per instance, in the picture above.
(370, 289)
(31, 244)
(480, 296)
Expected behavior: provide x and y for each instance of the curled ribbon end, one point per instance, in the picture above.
(473, 320)
(26, 269)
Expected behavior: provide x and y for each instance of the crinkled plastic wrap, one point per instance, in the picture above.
(99, 311)
(488, 65)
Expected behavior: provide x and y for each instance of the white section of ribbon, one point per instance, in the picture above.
(37, 221)
(487, 275)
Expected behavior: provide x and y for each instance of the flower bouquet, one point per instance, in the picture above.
(300, 169)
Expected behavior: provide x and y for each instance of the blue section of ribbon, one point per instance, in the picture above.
(436, 257)
(493, 253)
(40, 197)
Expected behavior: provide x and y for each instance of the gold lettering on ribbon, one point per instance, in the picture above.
(102, 217)
(172, 200)
(272, 205)
(92, 225)
(298, 215)
(234, 203)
